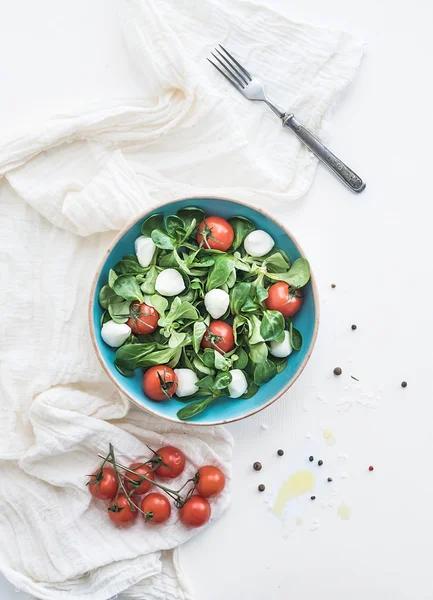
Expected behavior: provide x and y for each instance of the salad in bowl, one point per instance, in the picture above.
(203, 310)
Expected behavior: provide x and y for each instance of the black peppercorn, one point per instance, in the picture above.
(261, 488)
(313, 497)
(338, 371)
(257, 466)
(333, 285)
(280, 452)
(329, 479)
(353, 327)
(404, 384)
(320, 463)
(311, 458)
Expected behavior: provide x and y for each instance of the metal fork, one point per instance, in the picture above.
(253, 89)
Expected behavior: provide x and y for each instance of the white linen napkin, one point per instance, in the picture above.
(67, 185)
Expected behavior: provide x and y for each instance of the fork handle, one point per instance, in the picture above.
(350, 178)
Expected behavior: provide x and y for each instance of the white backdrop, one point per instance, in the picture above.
(376, 247)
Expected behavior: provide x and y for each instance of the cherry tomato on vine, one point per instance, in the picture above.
(211, 481)
(144, 318)
(174, 462)
(157, 508)
(195, 512)
(144, 486)
(215, 233)
(219, 336)
(159, 383)
(103, 484)
(284, 298)
(120, 512)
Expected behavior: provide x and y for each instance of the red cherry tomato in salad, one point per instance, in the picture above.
(103, 484)
(144, 486)
(159, 383)
(174, 462)
(285, 299)
(219, 336)
(195, 512)
(211, 481)
(215, 233)
(120, 512)
(144, 318)
(157, 508)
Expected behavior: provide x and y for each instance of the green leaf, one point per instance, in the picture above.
(238, 297)
(189, 214)
(172, 363)
(127, 287)
(239, 323)
(124, 372)
(201, 367)
(252, 390)
(280, 363)
(184, 310)
(153, 222)
(272, 325)
(168, 261)
(159, 303)
(261, 293)
(148, 285)
(199, 330)
(221, 362)
(241, 227)
(276, 262)
(258, 352)
(174, 227)
(220, 272)
(222, 380)
(251, 306)
(193, 409)
(297, 276)
(129, 267)
(176, 339)
(232, 279)
(206, 383)
(119, 307)
(295, 337)
(129, 356)
(112, 276)
(208, 357)
(255, 335)
(264, 372)
(180, 263)
(107, 295)
(162, 239)
(242, 359)
(104, 318)
(134, 356)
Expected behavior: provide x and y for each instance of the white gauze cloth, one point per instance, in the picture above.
(67, 186)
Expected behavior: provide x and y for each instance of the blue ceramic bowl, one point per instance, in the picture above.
(223, 410)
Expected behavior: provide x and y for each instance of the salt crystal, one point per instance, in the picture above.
(308, 435)
(264, 426)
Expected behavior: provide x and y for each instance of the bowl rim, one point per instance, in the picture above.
(92, 302)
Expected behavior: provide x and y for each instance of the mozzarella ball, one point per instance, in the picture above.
(169, 283)
(281, 349)
(186, 380)
(238, 385)
(144, 249)
(258, 243)
(115, 334)
(216, 303)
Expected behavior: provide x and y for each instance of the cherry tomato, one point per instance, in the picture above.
(195, 512)
(120, 512)
(157, 507)
(175, 461)
(219, 336)
(144, 486)
(284, 298)
(159, 383)
(144, 318)
(103, 484)
(216, 232)
(211, 481)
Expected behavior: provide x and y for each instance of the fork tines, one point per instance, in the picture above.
(230, 68)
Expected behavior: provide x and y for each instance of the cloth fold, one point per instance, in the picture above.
(67, 186)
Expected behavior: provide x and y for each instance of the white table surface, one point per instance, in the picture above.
(377, 249)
